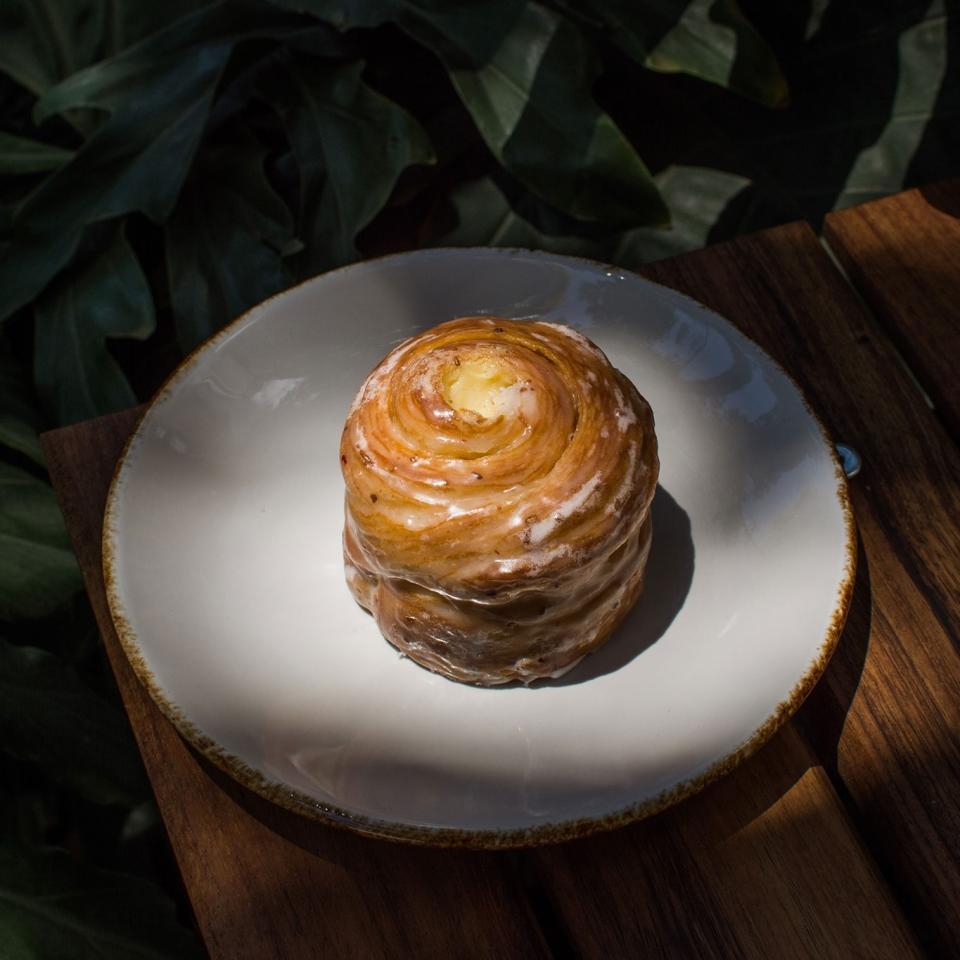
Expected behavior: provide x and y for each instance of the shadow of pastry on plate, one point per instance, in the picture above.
(499, 475)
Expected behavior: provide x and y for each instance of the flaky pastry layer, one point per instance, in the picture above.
(499, 476)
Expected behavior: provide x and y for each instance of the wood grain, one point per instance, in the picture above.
(885, 718)
(763, 864)
(901, 254)
(264, 883)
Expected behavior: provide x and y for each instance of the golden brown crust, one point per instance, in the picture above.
(499, 547)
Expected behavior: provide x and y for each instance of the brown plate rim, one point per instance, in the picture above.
(305, 805)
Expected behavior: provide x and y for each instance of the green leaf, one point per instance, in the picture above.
(37, 569)
(533, 107)
(22, 155)
(109, 297)
(52, 906)
(696, 197)
(158, 94)
(225, 242)
(525, 74)
(755, 72)
(709, 39)
(133, 21)
(923, 59)
(875, 107)
(351, 145)
(714, 41)
(51, 718)
(114, 84)
(19, 418)
(48, 40)
(485, 218)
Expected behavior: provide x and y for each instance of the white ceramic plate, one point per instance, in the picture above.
(223, 564)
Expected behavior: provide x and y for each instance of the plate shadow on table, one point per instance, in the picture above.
(717, 822)
(944, 196)
(760, 781)
(822, 716)
(668, 579)
(758, 784)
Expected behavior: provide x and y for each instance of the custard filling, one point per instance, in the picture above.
(482, 386)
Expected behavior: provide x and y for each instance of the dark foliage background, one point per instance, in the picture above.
(165, 166)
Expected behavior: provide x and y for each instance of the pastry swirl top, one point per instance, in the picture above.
(487, 458)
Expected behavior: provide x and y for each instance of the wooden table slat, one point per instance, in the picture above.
(901, 254)
(763, 864)
(886, 716)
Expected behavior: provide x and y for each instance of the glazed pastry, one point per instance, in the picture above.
(499, 476)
